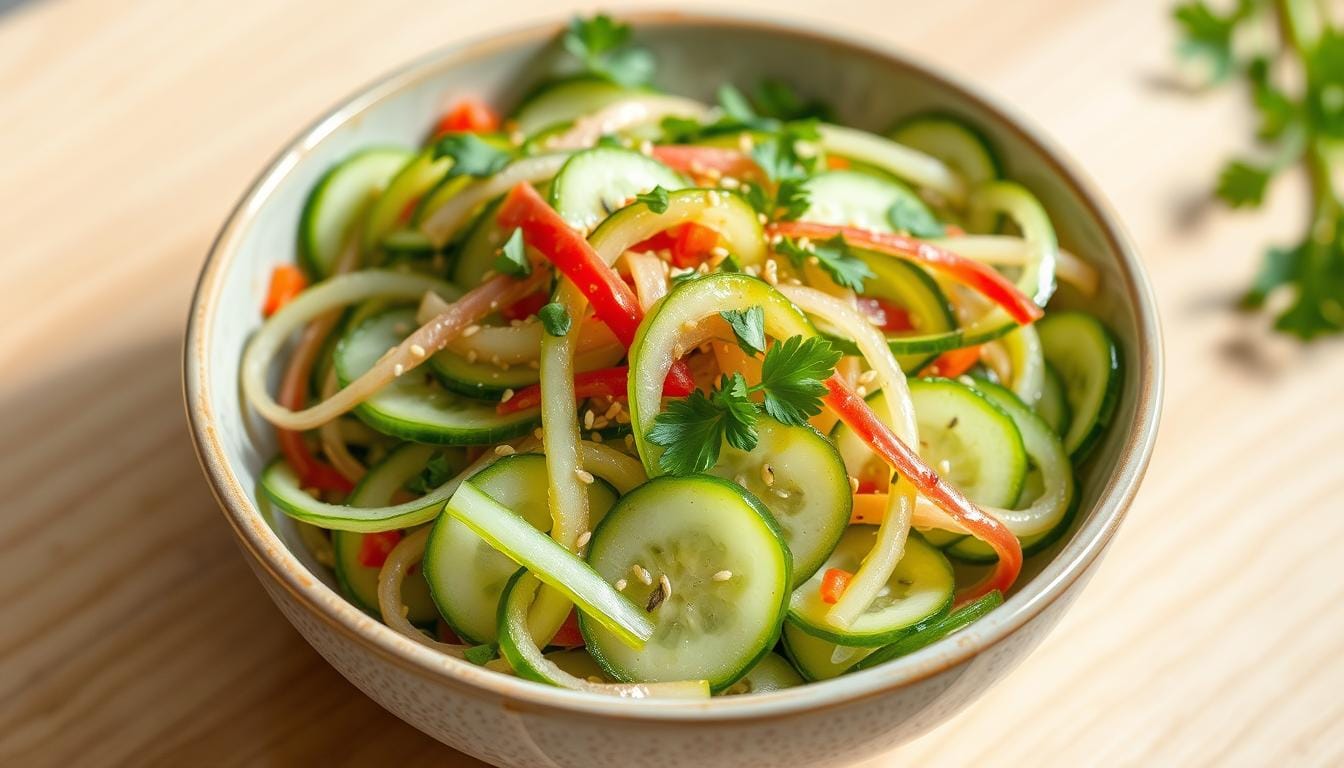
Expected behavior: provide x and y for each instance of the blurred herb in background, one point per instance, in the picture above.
(1290, 57)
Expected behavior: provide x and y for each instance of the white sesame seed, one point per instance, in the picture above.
(622, 418)
(588, 417)
(944, 466)
(728, 182)
(646, 147)
(584, 476)
(504, 450)
(507, 396)
(666, 584)
(621, 584)
(713, 197)
(718, 252)
(771, 272)
(629, 441)
(722, 576)
(596, 437)
(470, 330)
(861, 391)
(644, 576)
(867, 377)
(612, 411)
(601, 422)
(780, 492)
(767, 475)
(745, 142)
(398, 369)
(761, 217)
(853, 484)
(417, 350)
(583, 539)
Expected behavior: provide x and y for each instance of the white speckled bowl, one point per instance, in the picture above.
(514, 722)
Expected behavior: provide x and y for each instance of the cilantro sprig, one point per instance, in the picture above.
(603, 46)
(834, 256)
(471, 155)
(512, 258)
(1294, 80)
(692, 430)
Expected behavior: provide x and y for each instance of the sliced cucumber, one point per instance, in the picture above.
(1054, 406)
(1087, 359)
(566, 100)
(467, 575)
(337, 202)
(577, 662)
(929, 632)
(921, 586)
(439, 194)
(728, 568)
(359, 582)
(910, 288)
(857, 199)
(807, 492)
(479, 246)
(772, 673)
(967, 439)
(414, 406)
(420, 174)
(954, 141)
(596, 182)
(819, 659)
(1049, 491)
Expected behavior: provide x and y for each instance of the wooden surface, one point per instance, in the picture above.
(131, 632)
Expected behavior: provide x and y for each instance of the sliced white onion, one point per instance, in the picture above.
(650, 277)
(409, 551)
(910, 164)
(333, 438)
(1012, 251)
(445, 221)
(623, 115)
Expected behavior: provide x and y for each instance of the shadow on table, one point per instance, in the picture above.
(138, 634)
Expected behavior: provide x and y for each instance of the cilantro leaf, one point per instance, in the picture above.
(438, 470)
(834, 256)
(655, 198)
(1279, 267)
(512, 258)
(911, 216)
(778, 100)
(792, 199)
(779, 156)
(603, 46)
(748, 328)
(1207, 34)
(1241, 184)
(735, 105)
(471, 155)
(479, 654)
(690, 430)
(739, 423)
(792, 375)
(555, 319)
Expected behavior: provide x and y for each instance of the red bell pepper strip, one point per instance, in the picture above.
(569, 636)
(525, 307)
(613, 301)
(375, 547)
(687, 244)
(884, 315)
(470, 115)
(953, 363)
(287, 281)
(973, 274)
(855, 413)
(699, 161)
(604, 382)
(833, 584)
(312, 472)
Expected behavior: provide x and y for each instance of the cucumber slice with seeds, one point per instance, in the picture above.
(858, 199)
(807, 491)
(921, 586)
(1054, 406)
(563, 101)
(415, 406)
(596, 182)
(1087, 359)
(819, 659)
(728, 568)
(466, 575)
(340, 198)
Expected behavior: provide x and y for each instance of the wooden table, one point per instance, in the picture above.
(131, 632)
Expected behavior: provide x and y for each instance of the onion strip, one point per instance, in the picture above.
(650, 277)
(444, 222)
(910, 164)
(1011, 251)
(623, 115)
(407, 553)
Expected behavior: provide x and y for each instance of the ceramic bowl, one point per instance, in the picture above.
(513, 722)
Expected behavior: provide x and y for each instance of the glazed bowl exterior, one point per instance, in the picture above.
(512, 722)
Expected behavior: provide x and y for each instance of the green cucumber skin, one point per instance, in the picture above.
(307, 245)
(587, 625)
(930, 632)
(995, 164)
(1085, 438)
(1054, 407)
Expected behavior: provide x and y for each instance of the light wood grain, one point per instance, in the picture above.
(130, 631)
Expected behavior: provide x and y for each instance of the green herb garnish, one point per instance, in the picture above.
(472, 156)
(512, 258)
(655, 198)
(555, 319)
(748, 328)
(603, 46)
(909, 216)
(834, 256)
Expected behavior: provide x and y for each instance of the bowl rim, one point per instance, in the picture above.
(270, 555)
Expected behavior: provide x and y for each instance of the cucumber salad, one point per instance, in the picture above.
(644, 396)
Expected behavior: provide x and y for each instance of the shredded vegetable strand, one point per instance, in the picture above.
(881, 562)
(650, 276)
(333, 439)
(620, 469)
(407, 553)
(623, 115)
(910, 164)
(343, 290)
(1026, 364)
(1012, 251)
(443, 223)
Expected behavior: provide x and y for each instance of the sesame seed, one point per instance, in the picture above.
(588, 419)
(718, 252)
(507, 396)
(944, 466)
(504, 450)
(612, 411)
(861, 391)
(767, 475)
(666, 584)
(537, 433)
(780, 492)
(417, 350)
(771, 272)
(583, 539)
(644, 576)
(722, 576)
(398, 369)
(601, 422)
(596, 437)
(621, 584)
(853, 484)
(867, 377)
(761, 217)
(623, 418)
(728, 182)
(745, 142)
(470, 330)
(713, 197)
(646, 147)
(584, 476)
(594, 679)
(630, 442)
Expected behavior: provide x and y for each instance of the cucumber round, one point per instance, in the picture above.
(594, 183)
(339, 199)
(771, 673)
(359, 582)
(808, 495)
(929, 632)
(566, 100)
(1054, 406)
(911, 288)
(921, 586)
(1087, 359)
(954, 141)
(466, 575)
(415, 406)
(819, 659)
(692, 529)
(968, 440)
(858, 199)
(479, 246)
(420, 173)
(578, 662)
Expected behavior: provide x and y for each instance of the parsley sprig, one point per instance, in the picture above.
(692, 430)
(603, 46)
(834, 256)
(1298, 126)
